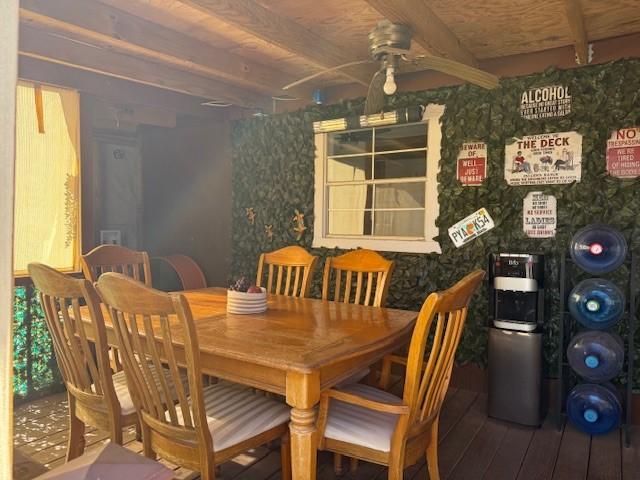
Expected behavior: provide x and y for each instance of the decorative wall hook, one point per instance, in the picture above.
(300, 227)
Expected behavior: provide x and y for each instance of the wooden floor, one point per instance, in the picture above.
(472, 446)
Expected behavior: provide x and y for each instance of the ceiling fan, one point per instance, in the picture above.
(389, 45)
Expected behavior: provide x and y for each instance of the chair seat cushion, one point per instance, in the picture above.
(122, 389)
(236, 413)
(362, 426)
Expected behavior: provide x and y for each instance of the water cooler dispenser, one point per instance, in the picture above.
(515, 337)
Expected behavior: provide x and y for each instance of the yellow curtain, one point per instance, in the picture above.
(47, 203)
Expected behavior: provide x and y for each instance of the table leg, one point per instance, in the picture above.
(303, 393)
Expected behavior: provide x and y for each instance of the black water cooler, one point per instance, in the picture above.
(515, 337)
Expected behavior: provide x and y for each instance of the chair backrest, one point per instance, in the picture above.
(368, 270)
(114, 258)
(142, 319)
(188, 271)
(294, 267)
(425, 388)
(86, 373)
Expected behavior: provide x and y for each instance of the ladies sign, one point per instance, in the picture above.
(539, 217)
(548, 158)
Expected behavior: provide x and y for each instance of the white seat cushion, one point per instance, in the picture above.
(236, 413)
(122, 389)
(359, 425)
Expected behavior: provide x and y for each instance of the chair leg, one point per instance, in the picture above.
(76, 442)
(138, 432)
(147, 451)
(432, 452)
(353, 465)
(337, 464)
(285, 456)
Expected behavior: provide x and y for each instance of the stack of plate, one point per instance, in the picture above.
(244, 303)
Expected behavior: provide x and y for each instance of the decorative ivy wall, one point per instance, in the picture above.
(273, 165)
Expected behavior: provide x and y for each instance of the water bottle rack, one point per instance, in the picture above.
(566, 377)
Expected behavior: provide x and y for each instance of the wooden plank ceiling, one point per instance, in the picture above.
(244, 51)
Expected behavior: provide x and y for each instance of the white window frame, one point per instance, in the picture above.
(432, 117)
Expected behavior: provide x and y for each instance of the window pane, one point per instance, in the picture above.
(349, 168)
(401, 165)
(355, 197)
(350, 222)
(400, 195)
(47, 204)
(346, 143)
(401, 138)
(399, 223)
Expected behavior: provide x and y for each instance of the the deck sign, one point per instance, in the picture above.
(623, 153)
(473, 226)
(544, 159)
(539, 215)
(545, 102)
(472, 164)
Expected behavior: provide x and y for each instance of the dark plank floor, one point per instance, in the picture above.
(472, 446)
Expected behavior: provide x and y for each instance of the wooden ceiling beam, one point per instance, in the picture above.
(283, 32)
(428, 30)
(120, 31)
(36, 43)
(575, 18)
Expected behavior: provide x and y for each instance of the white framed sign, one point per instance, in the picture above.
(545, 102)
(623, 153)
(544, 159)
(539, 215)
(471, 169)
(471, 227)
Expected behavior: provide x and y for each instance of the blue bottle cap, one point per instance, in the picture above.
(591, 361)
(590, 415)
(593, 305)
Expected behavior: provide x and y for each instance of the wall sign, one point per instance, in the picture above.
(545, 102)
(545, 159)
(474, 225)
(472, 164)
(539, 215)
(623, 153)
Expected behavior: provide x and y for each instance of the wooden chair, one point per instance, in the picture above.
(188, 271)
(114, 258)
(375, 286)
(213, 424)
(371, 424)
(96, 396)
(293, 258)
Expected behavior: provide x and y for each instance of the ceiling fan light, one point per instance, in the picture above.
(390, 86)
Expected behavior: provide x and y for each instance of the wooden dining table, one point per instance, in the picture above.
(297, 348)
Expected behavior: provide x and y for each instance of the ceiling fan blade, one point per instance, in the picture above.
(376, 98)
(325, 71)
(457, 69)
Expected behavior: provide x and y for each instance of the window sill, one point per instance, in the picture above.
(382, 245)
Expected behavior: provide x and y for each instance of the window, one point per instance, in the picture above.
(376, 187)
(47, 203)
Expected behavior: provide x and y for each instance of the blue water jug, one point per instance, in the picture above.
(594, 409)
(596, 303)
(596, 356)
(598, 249)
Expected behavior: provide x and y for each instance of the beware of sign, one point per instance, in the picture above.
(545, 102)
(474, 225)
(539, 215)
(472, 164)
(623, 153)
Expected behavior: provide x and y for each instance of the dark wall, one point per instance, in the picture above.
(187, 193)
(273, 174)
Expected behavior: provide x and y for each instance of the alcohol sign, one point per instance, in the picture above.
(472, 164)
(548, 158)
(473, 226)
(545, 102)
(539, 215)
(623, 153)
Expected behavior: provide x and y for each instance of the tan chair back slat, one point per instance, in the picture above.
(286, 260)
(142, 318)
(378, 272)
(440, 323)
(115, 258)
